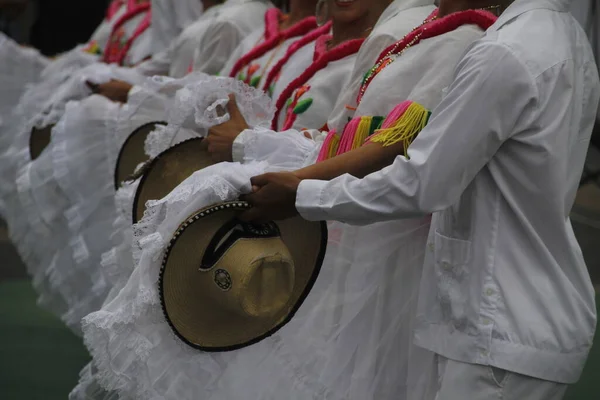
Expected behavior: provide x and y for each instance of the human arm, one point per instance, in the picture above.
(115, 90)
(491, 94)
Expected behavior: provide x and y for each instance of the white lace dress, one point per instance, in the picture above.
(76, 190)
(118, 260)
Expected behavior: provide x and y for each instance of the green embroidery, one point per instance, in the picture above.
(302, 106)
(254, 82)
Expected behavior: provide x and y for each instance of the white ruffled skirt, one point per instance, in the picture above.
(351, 339)
(48, 217)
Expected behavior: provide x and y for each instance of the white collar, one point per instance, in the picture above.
(519, 7)
(398, 6)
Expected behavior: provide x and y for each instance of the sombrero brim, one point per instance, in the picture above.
(132, 152)
(165, 172)
(191, 313)
(39, 139)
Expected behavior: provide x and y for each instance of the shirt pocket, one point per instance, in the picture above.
(452, 274)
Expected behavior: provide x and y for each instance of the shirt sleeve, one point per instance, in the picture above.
(216, 46)
(287, 150)
(492, 94)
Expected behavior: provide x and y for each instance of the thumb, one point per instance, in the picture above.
(232, 107)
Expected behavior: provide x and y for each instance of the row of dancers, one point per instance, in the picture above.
(140, 174)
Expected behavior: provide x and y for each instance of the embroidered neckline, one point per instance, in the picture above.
(114, 8)
(431, 27)
(339, 52)
(321, 45)
(116, 51)
(273, 37)
(293, 49)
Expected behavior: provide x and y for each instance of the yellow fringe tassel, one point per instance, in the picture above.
(362, 132)
(333, 146)
(405, 129)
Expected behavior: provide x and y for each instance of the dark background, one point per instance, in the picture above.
(54, 26)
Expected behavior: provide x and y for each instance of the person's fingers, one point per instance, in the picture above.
(307, 135)
(254, 215)
(93, 86)
(260, 180)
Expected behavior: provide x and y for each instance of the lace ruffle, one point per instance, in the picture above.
(201, 104)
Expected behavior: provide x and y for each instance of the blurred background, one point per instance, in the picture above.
(41, 359)
(52, 26)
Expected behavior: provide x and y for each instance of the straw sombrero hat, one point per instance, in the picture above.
(225, 284)
(165, 172)
(132, 152)
(39, 139)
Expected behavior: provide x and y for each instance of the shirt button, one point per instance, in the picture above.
(431, 247)
(486, 321)
(446, 265)
(489, 292)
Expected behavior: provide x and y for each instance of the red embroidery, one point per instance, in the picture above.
(273, 37)
(337, 53)
(293, 49)
(114, 8)
(436, 27)
(118, 45)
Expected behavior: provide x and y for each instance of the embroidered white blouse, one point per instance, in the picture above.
(236, 20)
(396, 21)
(170, 18)
(177, 59)
(504, 283)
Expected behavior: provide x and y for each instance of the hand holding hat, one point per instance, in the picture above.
(274, 197)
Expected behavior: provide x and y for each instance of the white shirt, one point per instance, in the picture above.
(170, 18)
(504, 283)
(237, 19)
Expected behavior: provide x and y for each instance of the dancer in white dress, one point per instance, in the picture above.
(33, 225)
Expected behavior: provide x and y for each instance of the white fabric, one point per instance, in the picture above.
(103, 31)
(459, 381)
(324, 89)
(254, 38)
(387, 31)
(586, 12)
(19, 68)
(350, 340)
(170, 18)
(178, 56)
(296, 65)
(142, 46)
(499, 164)
(85, 146)
(236, 20)
(253, 104)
